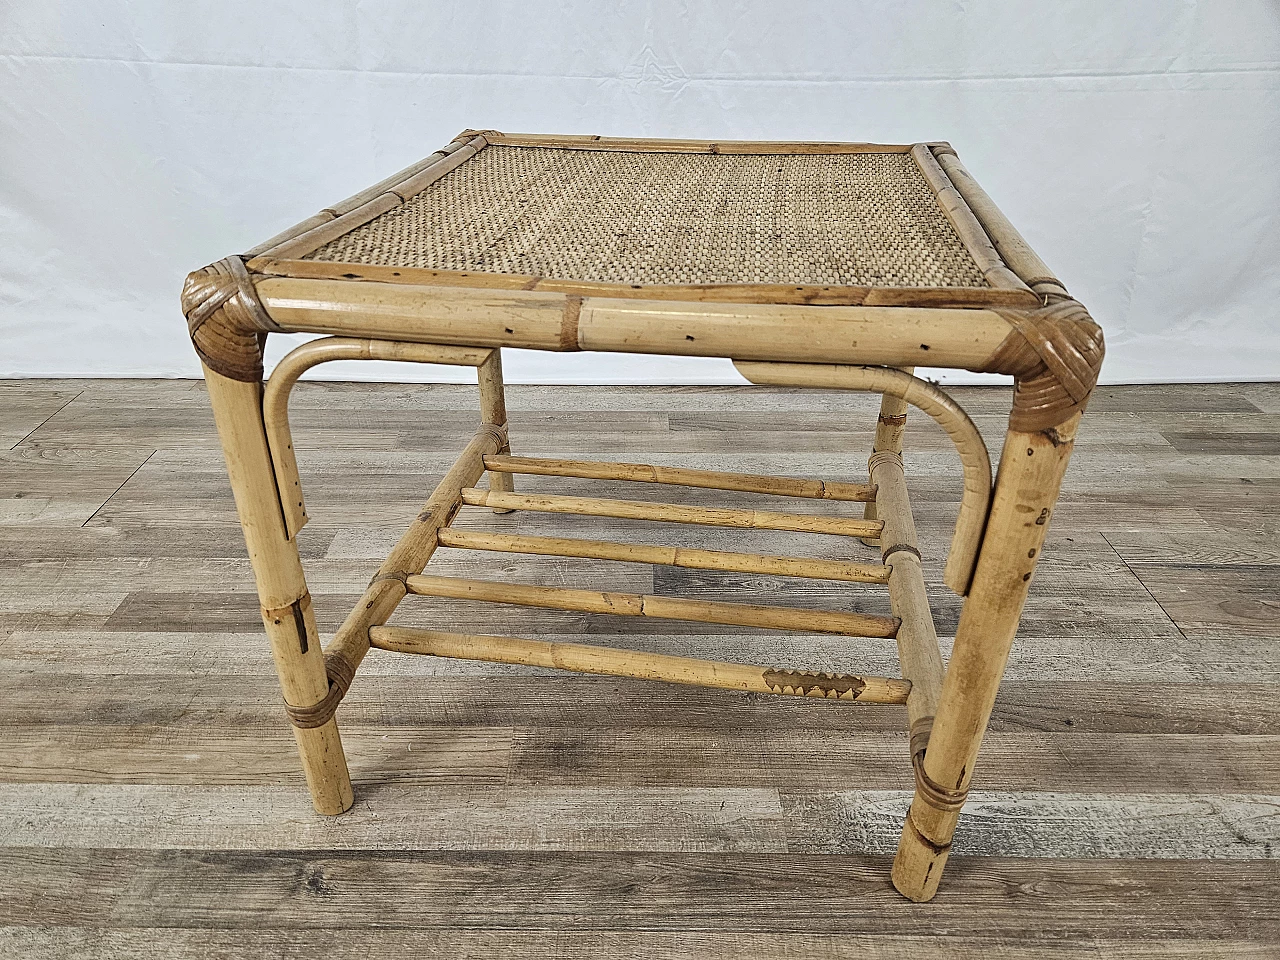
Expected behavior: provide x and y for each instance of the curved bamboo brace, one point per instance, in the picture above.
(275, 399)
(976, 500)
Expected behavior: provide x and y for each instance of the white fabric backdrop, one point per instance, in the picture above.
(1133, 143)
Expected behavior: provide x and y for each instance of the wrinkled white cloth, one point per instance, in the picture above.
(1133, 145)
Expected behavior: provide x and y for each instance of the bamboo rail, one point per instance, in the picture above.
(673, 513)
(965, 224)
(891, 427)
(670, 556)
(414, 549)
(667, 608)
(918, 653)
(607, 661)
(1013, 249)
(681, 477)
(976, 499)
(275, 399)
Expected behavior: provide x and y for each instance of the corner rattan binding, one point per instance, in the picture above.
(825, 265)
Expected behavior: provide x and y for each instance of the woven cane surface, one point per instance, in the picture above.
(673, 218)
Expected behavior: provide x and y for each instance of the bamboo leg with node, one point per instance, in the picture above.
(493, 409)
(891, 424)
(282, 590)
(1027, 484)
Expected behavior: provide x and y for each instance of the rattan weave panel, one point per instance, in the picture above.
(674, 218)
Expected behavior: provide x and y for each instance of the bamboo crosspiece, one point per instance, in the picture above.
(511, 240)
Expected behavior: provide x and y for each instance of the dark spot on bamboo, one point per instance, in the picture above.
(300, 623)
(508, 329)
(1031, 553)
(924, 346)
(1043, 518)
(1026, 577)
(351, 276)
(688, 337)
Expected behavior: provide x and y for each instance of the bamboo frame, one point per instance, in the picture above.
(673, 513)
(1023, 324)
(665, 608)
(687, 557)
(607, 661)
(275, 399)
(681, 477)
(975, 500)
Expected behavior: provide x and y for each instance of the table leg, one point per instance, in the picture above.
(891, 424)
(282, 589)
(493, 409)
(1026, 490)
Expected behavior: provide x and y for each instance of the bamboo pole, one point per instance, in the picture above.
(493, 409)
(471, 316)
(818, 295)
(891, 425)
(607, 661)
(414, 549)
(965, 224)
(968, 441)
(670, 556)
(673, 513)
(644, 605)
(275, 399)
(1027, 486)
(1013, 249)
(282, 588)
(681, 477)
(918, 652)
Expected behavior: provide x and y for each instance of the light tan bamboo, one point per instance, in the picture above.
(895, 336)
(1013, 249)
(968, 442)
(1030, 476)
(680, 477)
(918, 652)
(673, 513)
(826, 295)
(891, 426)
(493, 409)
(275, 399)
(611, 662)
(964, 222)
(668, 608)
(669, 556)
(367, 204)
(411, 553)
(282, 588)
(426, 314)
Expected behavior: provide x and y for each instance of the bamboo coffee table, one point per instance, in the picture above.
(828, 265)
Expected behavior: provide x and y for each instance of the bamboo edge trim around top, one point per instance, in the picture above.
(726, 293)
(640, 665)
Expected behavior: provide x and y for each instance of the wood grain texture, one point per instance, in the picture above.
(1125, 802)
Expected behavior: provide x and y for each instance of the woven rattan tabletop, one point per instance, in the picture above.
(664, 213)
(674, 218)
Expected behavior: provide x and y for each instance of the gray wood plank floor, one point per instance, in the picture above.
(1127, 802)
